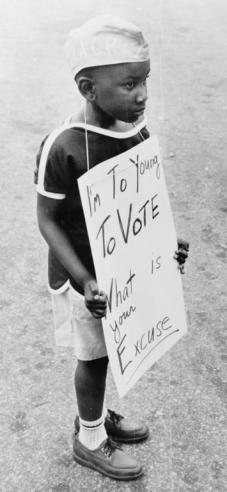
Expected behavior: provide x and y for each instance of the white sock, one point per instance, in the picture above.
(92, 433)
(104, 411)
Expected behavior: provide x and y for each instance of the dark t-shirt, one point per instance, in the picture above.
(61, 160)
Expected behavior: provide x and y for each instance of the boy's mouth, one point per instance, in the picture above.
(138, 113)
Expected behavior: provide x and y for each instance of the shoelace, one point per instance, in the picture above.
(115, 417)
(109, 447)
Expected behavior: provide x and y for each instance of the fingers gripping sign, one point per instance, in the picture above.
(181, 254)
(95, 299)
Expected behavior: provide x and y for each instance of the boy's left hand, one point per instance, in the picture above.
(181, 254)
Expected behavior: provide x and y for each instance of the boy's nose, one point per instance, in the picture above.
(141, 96)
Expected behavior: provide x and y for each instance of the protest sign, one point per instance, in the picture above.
(133, 239)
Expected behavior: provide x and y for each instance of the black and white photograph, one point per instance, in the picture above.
(113, 263)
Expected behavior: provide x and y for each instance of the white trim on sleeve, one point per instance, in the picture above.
(49, 194)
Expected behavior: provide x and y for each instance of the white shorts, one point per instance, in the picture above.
(76, 327)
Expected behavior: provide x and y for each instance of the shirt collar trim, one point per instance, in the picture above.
(103, 131)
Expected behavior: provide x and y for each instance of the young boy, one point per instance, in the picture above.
(110, 63)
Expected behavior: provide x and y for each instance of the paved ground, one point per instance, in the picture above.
(185, 393)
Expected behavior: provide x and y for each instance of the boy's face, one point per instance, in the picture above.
(121, 90)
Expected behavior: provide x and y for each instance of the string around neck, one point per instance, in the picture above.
(86, 136)
(141, 136)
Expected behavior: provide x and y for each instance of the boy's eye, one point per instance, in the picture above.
(130, 85)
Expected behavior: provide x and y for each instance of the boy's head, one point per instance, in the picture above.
(110, 62)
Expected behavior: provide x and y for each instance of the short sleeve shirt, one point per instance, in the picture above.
(61, 160)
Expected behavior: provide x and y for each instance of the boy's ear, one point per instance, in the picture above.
(86, 87)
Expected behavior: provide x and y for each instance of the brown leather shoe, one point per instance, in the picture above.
(122, 429)
(107, 459)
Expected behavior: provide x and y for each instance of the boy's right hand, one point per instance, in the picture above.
(95, 299)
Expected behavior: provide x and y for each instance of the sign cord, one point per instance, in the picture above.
(141, 135)
(86, 136)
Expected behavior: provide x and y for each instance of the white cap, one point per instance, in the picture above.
(105, 40)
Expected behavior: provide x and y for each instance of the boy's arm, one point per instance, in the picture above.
(47, 211)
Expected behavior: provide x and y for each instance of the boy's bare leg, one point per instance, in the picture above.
(90, 383)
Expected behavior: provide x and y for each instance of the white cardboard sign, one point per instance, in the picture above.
(133, 239)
